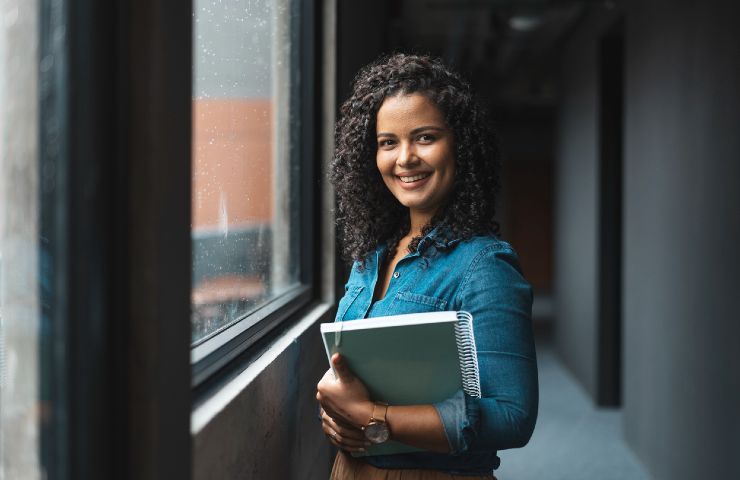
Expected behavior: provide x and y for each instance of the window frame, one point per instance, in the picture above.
(115, 237)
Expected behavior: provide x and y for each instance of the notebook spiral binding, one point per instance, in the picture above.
(467, 354)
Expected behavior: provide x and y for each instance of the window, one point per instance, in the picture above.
(248, 235)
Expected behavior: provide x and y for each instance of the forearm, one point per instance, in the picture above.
(345, 400)
(419, 426)
(415, 425)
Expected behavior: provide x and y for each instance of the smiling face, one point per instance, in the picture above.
(415, 154)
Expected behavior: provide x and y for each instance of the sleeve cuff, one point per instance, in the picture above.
(459, 415)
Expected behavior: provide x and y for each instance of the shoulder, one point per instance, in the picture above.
(485, 249)
(368, 261)
(362, 272)
(488, 262)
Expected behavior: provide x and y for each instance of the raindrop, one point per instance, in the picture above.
(223, 219)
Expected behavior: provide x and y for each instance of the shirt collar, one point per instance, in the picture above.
(440, 236)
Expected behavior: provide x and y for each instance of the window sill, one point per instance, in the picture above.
(218, 403)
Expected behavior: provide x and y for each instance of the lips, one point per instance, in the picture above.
(414, 178)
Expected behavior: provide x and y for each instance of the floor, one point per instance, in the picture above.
(573, 439)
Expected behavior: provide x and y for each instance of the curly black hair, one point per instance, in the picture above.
(367, 213)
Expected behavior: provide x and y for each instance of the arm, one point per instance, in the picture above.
(348, 407)
(499, 299)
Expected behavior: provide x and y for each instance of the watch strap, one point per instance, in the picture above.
(379, 413)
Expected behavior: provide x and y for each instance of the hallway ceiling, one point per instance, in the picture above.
(508, 48)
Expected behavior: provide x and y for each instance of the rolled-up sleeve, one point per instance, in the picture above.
(460, 415)
(494, 291)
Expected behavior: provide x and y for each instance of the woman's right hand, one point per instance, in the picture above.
(341, 435)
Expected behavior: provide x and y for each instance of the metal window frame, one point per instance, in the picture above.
(116, 237)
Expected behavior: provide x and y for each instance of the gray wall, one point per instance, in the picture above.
(682, 234)
(681, 267)
(576, 199)
(270, 429)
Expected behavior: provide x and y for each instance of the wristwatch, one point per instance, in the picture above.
(376, 431)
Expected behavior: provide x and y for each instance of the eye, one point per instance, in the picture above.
(426, 138)
(386, 142)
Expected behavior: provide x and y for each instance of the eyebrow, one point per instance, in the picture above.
(414, 131)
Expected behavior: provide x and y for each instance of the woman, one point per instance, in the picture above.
(416, 172)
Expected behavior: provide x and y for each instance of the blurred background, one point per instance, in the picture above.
(167, 249)
(618, 123)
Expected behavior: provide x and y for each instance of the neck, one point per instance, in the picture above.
(419, 220)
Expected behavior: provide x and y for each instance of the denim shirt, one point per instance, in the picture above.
(480, 275)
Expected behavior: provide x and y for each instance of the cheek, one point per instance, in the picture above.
(448, 166)
(385, 167)
(449, 178)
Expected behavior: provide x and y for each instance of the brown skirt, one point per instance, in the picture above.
(346, 467)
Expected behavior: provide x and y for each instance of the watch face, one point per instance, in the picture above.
(377, 432)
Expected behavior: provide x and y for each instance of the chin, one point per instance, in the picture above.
(415, 205)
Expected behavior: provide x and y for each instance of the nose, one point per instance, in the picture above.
(406, 155)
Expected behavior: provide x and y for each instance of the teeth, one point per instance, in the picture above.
(414, 178)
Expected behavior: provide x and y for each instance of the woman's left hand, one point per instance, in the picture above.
(343, 436)
(344, 397)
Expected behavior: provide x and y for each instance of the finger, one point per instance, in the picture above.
(349, 442)
(329, 411)
(340, 366)
(346, 424)
(328, 377)
(341, 442)
(344, 447)
(338, 418)
(350, 433)
(338, 442)
(349, 437)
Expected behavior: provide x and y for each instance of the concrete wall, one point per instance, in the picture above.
(19, 244)
(576, 199)
(682, 234)
(264, 423)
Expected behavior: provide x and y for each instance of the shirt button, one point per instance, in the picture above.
(396, 274)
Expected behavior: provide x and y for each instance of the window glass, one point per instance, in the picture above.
(244, 227)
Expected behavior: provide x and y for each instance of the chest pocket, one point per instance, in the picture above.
(346, 302)
(408, 302)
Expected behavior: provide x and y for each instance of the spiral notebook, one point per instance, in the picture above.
(419, 358)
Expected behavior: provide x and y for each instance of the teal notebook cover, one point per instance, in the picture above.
(408, 359)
